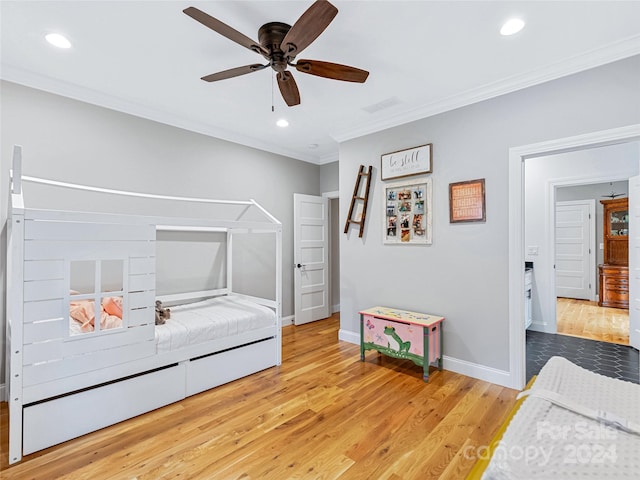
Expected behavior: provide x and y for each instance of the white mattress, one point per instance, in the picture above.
(209, 320)
(545, 441)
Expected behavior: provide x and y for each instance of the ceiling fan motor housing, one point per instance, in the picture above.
(270, 36)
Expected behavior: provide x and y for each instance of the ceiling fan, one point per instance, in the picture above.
(612, 195)
(279, 44)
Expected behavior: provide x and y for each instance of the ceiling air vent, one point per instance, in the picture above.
(388, 103)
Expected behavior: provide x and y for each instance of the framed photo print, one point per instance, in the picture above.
(467, 202)
(408, 213)
(404, 163)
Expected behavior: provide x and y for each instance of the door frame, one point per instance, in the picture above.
(517, 157)
(335, 194)
(591, 202)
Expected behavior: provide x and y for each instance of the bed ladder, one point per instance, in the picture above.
(362, 172)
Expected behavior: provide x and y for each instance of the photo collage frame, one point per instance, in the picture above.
(408, 212)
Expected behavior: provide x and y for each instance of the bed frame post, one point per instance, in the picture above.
(279, 292)
(229, 285)
(14, 320)
(16, 170)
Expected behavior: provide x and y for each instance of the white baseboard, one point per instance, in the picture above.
(481, 372)
(541, 327)
(3, 392)
(287, 320)
(475, 370)
(335, 308)
(347, 336)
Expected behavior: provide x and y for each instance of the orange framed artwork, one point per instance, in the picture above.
(467, 202)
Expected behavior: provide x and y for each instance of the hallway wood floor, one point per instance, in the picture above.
(322, 414)
(585, 319)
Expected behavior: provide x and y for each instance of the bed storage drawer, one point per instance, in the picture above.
(56, 421)
(219, 368)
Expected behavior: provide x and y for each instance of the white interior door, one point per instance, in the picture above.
(575, 249)
(634, 262)
(311, 257)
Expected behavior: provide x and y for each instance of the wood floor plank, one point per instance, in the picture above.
(322, 414)
(585, 319)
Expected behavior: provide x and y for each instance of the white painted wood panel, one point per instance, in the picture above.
(142, 282)
(138, 266)
(142, 316)
(214, 370)
(142, 299)
(575, 249)
(66, 348)
(44, 289)
(56, 421)
(88, 250)
(45, 310)
(311, 256)
(45, 330)
(36, 230)
(634, 262)
(44, 372)
(43, 269)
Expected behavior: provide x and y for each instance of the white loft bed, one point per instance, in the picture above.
(62, 384)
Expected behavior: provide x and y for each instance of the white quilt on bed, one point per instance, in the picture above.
(545, 441)
(209, 320)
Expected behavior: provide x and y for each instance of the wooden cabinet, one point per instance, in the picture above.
(614, 274)
(614, 286)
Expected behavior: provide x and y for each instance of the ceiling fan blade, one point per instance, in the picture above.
(332, 70)
(234, 72)
(308, 27)
(225, 30)
(288, 88)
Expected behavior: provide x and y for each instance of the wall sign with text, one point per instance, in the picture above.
(466, 201)
(413, 161)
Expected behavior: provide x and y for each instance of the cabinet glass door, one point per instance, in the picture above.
(619, 223)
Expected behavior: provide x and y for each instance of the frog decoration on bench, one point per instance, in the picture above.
(162, 314)
(403, 347)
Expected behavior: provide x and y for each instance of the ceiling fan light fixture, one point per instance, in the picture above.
(282, 123)
(512, 26)
(58, 40)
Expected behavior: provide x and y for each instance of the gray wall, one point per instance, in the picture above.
(464, 274)
(329, 177)
(76, 142)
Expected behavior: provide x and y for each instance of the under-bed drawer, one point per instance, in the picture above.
(55, 421)
(219, 368)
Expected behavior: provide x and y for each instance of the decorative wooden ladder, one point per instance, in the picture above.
(362, 172)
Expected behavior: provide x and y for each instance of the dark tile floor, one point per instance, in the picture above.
(610, 359)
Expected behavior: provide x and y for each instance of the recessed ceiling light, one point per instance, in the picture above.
(58, 40)
(512, 26)
(282, 123)
(312, 146)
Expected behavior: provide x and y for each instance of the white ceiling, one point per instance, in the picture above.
(424, 57)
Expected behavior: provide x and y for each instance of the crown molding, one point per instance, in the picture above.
(612, 52)
(624, 48)
(329, 157)
(94, 97)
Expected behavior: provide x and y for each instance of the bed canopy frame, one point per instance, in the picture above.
(51, 375)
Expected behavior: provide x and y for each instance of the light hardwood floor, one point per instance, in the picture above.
(322, 414)
(583, 318)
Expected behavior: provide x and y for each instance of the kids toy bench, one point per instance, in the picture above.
(402, 334)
